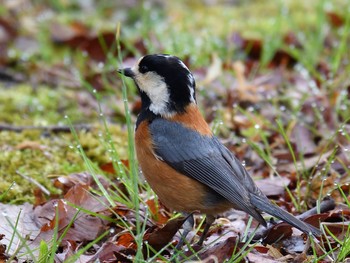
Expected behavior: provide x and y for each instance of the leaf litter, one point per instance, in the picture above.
(245, 104)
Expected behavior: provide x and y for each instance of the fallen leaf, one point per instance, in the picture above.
(70, 34)
(335, 19)
(159, 213)
(307, 163)
(99, 81)
(33, 145)
(78, 195)
(294, 244)
(97, 47)
(278, 231)
(261, 258)
(66, 182)
(303, 139)
(214, 70)
(254, 48)
(274, 252)
(222, 250)
(26, 226)
(273, 186)
(126, 240)
(160, 237)
(111, 252)
(3, 254)
(109, 167)
(245, 91)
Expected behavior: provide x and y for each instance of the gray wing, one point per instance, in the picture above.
(206, 160)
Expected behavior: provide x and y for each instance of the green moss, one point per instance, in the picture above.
(39, 154)
(40, 157)
(25, 105)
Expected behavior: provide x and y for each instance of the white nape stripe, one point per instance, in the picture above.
(191, 87)
(191, 81)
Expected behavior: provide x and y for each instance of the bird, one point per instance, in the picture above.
(184, 163)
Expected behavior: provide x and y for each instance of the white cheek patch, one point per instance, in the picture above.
(156, 89)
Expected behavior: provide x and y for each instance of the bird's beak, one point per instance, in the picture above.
(127, 72)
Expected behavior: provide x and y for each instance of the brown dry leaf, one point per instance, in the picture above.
(277, 232)
(8, 32)
(282, 58)
(302, 139)
(340, 217)
(40, 197)
(55, 75)
(68, 34)
(3, 254)
(339, 230)
(291, 39)
(77, 35)
(222, 250)
(160, 237)
(67, 249)
(122, 210)
(126, 240)
(109, 168)
(246, 92)
(273, 186)
(254, 48)
(329, 185)
(158, 212)
(27, 226)
(261, 249)
(8, 29)
(78, 195)
(335, 19)
(306, 164)
(261, 258)
(97, 47)
(294, 244)
(98, 80)
(111, 252)
(274, 252)
(214, 70)
(33, 145)
(244, 122)
(66, 182)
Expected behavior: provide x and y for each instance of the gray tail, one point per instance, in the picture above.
(265, 205)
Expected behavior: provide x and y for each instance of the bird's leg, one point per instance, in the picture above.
(187, 226)
(208, 222)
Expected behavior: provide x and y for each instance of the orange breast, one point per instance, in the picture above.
(175, 190)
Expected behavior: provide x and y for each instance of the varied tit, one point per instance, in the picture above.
(184, 163)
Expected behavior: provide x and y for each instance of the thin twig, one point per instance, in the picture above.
(33, 181)
(53, 128)
(327, 204)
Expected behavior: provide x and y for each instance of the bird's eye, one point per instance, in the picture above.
(143, 69)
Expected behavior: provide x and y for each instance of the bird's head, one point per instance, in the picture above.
(165, 83)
